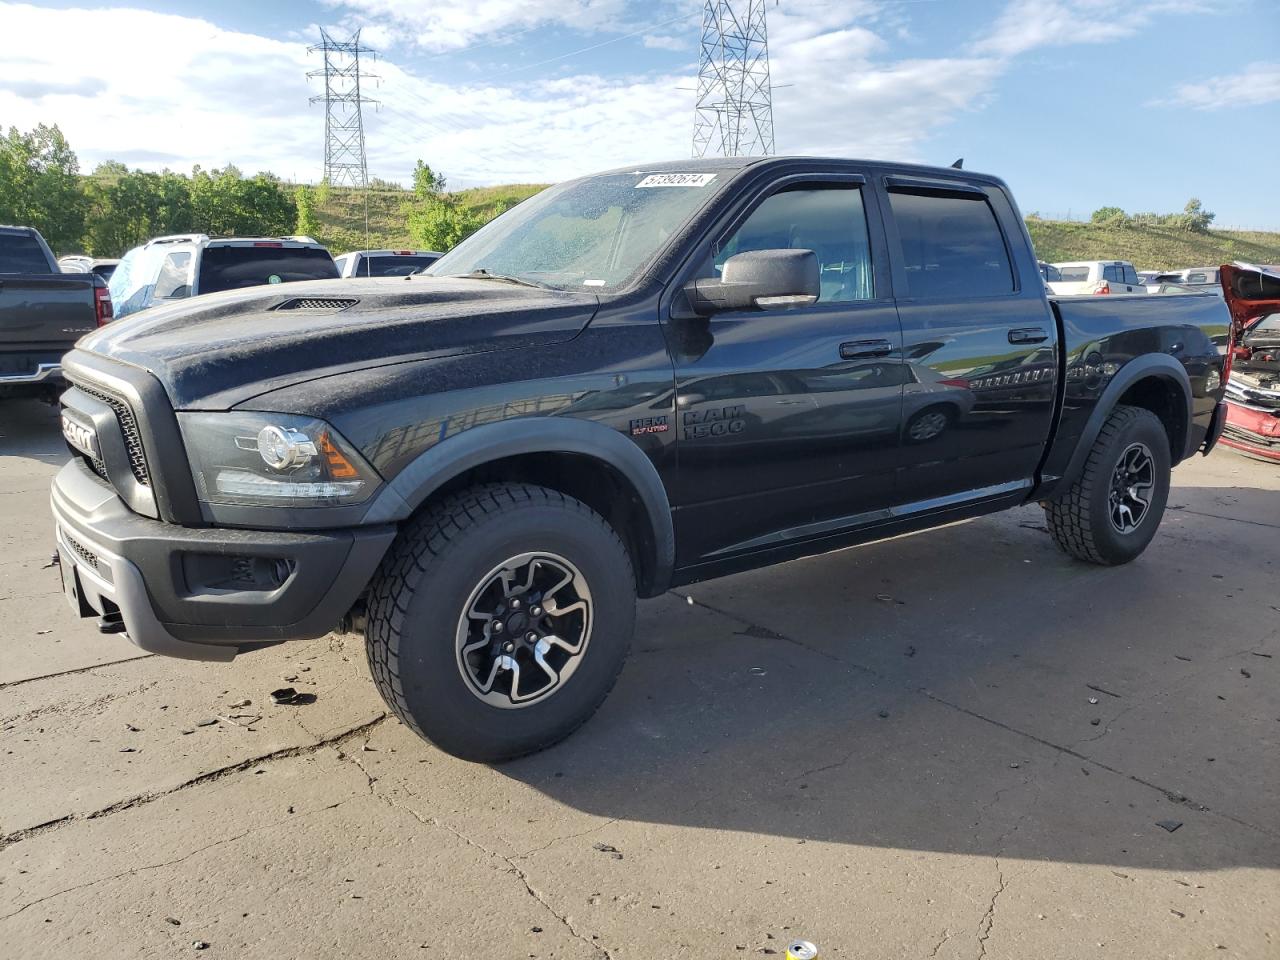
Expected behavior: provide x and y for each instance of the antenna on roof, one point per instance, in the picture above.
(958, 165)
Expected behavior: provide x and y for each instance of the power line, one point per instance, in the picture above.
(344, 154)
(734, 112)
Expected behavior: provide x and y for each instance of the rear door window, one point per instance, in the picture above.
(1111, 273)
(231, 268)
(1130, 275)
(21, 253)
(952, 246)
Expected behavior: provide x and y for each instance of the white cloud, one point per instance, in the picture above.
(1028, 24)
(157, 89)
(179, 91)
(453, 24)
(1256, 84)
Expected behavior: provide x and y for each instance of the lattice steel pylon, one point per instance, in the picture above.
(734, 113)
(344, 158)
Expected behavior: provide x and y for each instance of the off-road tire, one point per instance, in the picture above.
(1079, 519)
(416, 601)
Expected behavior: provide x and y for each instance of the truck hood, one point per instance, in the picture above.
(217, 350)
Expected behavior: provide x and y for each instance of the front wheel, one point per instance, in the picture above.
(500, 619)
(1112, 511)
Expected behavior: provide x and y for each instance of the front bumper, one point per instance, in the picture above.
(1254, 430)
(203, 593)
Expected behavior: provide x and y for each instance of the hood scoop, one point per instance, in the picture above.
(328, 304)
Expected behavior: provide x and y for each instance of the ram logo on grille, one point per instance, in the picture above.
(81, 437)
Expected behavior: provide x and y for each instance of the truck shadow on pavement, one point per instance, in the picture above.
(969, 691)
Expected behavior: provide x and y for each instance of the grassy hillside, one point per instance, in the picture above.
(343, 228)
(1150, 249)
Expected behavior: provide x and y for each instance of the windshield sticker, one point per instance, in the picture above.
(275, 278)
(676, 180)
(593, 283)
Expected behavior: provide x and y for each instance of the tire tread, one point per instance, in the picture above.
(426, 539)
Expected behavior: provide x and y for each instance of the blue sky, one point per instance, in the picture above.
(1077, 103)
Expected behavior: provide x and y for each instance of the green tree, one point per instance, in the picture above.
(427, 184)
(307, 223)
(1110, 216)
(127, 207)
(40, 185)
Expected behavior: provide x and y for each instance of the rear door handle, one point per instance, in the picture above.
(1028, 335)
(856, 349)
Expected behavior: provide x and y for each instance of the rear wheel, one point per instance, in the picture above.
(1112, 511)
(500, 620)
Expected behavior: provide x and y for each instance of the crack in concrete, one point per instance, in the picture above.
(68, 673)
(511, 867)
(946, 935)
(129, 803)
(1171, 795)
(989, 918)
(168, 863)
(572, 836)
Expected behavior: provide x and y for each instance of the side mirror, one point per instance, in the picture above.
(759, 279)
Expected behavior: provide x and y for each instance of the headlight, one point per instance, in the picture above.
(271, 458)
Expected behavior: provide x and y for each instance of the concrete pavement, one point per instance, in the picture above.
(956, 745)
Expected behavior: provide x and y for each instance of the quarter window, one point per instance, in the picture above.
(172, 280)
(951, 245)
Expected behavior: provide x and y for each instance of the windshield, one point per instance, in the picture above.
(596, 233)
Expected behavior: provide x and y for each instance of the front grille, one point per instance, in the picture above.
(97, 466)
(316, 303)
(132, 437)
(80, 550)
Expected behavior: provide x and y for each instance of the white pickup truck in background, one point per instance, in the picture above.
(1088, 277)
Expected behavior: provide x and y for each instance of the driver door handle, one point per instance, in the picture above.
(857, 349)
(1028, 335)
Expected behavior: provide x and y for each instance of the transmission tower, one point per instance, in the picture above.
(734, 114)
(344, 160)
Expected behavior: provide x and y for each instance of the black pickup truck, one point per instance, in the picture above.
(632, 381)
(43, 312)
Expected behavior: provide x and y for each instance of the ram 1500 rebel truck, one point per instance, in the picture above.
(43, 312)
(629, 382)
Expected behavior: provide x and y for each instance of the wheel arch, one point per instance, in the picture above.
(1155, 382)
(581, 458)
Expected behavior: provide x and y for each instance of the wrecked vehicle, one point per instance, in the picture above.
(1253, 390)
(629, 382)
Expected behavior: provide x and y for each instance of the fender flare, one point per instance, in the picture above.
(1148, 365)
(433, 468)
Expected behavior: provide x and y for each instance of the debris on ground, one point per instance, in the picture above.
(207, 723)
(1093, 700)
(910, 651)
(1095, 721)
(1170, 825)
(289, 696)
(241, 703)
(1245, 673)
(613, 851)
(173, 920)
(883, 714)
(759, 671)
(199, 945)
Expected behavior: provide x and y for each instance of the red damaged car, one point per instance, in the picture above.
(1253, 363)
